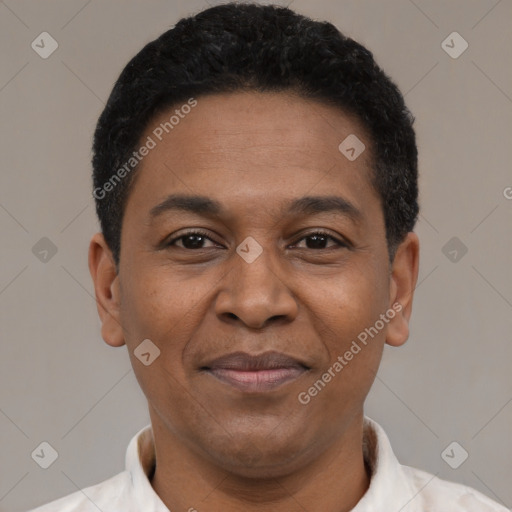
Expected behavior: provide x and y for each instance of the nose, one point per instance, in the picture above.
(255, 294)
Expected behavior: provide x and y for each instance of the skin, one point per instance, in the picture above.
(218, 448)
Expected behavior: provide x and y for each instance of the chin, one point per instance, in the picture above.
(260, 457)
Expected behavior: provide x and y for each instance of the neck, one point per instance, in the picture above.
(332, 481)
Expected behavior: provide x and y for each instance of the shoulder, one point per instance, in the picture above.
(439, 495)
(106, 496)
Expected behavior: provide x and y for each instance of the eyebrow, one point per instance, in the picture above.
(307, 205)
(201, 205)
(310, 205)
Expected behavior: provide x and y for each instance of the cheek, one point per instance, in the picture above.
(347, 302)
(346, 311)
(157, 309)
(153, 309)
(155, 301)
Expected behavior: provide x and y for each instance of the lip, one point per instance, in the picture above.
(256, 373)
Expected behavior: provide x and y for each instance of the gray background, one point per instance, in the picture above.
(60, 383)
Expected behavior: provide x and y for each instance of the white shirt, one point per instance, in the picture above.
(393, 487)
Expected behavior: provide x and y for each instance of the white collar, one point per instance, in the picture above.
(393, 487)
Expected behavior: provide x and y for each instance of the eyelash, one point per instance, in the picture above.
(204, 234)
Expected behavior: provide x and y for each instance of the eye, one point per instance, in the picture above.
(320, 240)
(197, 239)
(191, 240)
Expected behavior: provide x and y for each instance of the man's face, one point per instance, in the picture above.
(321, 279)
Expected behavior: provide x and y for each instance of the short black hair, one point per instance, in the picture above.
(266, 48)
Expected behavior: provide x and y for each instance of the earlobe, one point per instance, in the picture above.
(106, 286)
(404, 276)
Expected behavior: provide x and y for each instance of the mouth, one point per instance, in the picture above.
(256, 373)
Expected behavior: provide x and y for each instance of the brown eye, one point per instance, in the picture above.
(192, 240)
(321, 240)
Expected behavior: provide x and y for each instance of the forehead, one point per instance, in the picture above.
(302, 129)
(249, 145)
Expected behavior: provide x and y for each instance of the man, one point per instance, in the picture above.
(255, 176)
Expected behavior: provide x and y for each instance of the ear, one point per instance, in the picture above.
(403, 279)
(106, 286)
